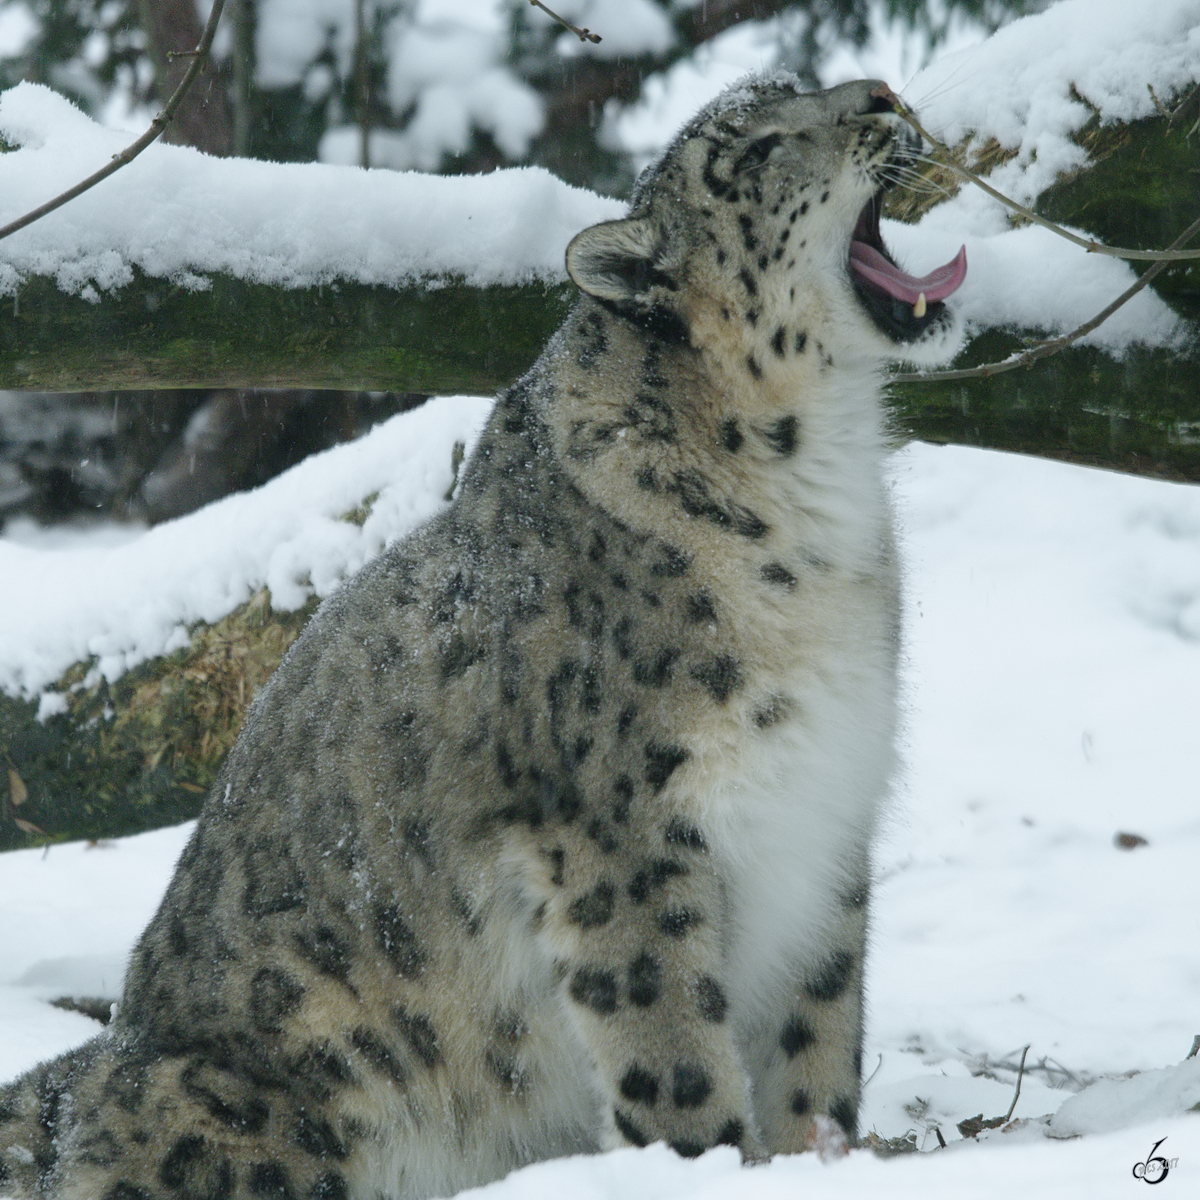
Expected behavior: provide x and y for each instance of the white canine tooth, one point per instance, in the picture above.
(919, 307)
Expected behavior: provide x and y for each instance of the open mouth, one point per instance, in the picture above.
(902, 305)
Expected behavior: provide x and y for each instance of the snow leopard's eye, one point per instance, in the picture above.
(756, 154)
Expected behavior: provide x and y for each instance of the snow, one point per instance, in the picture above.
(56, 942)
(1015, 86)
(1053, 643)
(1116, 1103)
(126, 603)
(893, 51)
(18, 27)
(1110, 52)
(445, 58)
(1030, 278)
(289, 35)
(1076, 1171)
(626, 27)
(177, 213)
(451, 78)
(671, 98)
(1019, 87)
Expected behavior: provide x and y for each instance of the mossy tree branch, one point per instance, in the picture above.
(155, 334)
(1140, 414)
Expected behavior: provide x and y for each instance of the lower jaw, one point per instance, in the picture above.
(894, 318)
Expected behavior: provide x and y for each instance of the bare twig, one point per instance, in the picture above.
(584, 35)
(1089, 244)
(874, 1072)
(131, 152)
(1052, 1067)
(1054, 345)
(1017, 1094)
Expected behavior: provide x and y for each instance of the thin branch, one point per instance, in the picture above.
(1017, 1095)
(1089, 244)
(1054, 345)
(198, 56)
(873, 1073)
(584, 35)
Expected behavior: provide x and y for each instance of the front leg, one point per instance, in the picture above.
(808, 1060)
(640, 938)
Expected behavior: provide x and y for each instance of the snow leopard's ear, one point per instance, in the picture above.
(615, 260)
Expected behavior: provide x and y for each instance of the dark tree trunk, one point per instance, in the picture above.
(204, 118)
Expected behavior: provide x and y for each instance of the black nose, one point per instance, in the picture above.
(883, 100)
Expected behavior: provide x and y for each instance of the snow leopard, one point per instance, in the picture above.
(552, 832)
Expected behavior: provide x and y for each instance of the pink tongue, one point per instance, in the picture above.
(868, 263)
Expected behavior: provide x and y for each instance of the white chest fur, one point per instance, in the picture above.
(792, 812)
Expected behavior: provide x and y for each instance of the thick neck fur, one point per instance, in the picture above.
(771, 485)
(686, 443)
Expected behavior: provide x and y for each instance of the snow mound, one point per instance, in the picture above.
(1035, 82)
(1120, 1103)
(124, 604)
(180, 214)
(1022, 86)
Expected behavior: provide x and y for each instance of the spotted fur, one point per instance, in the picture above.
(552, 831)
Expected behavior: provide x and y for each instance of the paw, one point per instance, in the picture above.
(827, 1138)
(754, 1153)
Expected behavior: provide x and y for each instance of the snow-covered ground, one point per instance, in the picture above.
(1053, 649)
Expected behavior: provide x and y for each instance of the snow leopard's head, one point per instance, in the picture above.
(764, 214)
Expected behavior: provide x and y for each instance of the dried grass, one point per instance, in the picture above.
(184, 711)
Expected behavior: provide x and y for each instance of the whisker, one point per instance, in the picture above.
(921, 185)
(951, 83)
